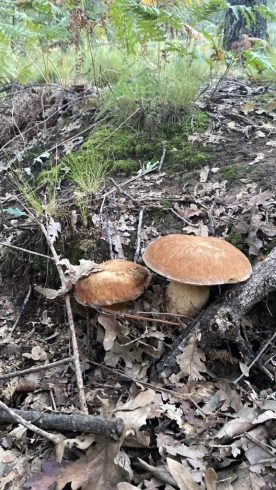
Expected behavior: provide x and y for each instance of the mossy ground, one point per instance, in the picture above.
(125, 150)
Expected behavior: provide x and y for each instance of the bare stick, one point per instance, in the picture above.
(78, 372)
(256, 358)
(138, 239)
(65, 422)
(70, 323)
(183, 219)
(149, 385)
(17, 418)
(26, 299)
(162, 159)
(124, 192)
(36, 369)
(129, 181)
(148, 319)
(271, 450)
(118, 127)
(8, 245)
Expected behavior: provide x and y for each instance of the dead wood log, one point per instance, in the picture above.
(69, 422)
(223, 319)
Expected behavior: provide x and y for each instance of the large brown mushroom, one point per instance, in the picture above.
(193, 264)
(118, 281)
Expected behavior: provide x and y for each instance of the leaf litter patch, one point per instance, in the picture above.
(199, 429)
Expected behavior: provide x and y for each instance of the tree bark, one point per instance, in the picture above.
(223, 319)
(234, 26)
(69, 422)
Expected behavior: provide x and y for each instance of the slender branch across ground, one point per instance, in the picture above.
(76, 356)
(55, 439)
(36, 369)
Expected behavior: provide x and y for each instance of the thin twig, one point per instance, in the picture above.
(163, 313)
(256, 358)
(220, 80)
(263, 445)
(129, 181)
(17, 418)
(26, 299)
(71, 325)
(138, 239)
(183, 219)
(36, 369)
(148, 319)
(124, 192)
(118, 127)
(149, 385)
(8, 245)
(162, 159)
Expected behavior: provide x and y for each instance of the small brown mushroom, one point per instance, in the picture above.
(193, 264)
(119, 281)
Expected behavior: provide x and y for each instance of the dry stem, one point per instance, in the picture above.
(17, 418)
(36, 369)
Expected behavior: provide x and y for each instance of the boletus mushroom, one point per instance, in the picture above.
(118, 281)
(193, 264)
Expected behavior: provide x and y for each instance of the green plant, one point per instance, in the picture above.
(86, 171)
(157, 95)
(38, 201)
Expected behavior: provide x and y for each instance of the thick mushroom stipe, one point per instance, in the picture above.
(186, 299)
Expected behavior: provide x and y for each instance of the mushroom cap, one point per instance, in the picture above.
(119, 281)
(204, 261)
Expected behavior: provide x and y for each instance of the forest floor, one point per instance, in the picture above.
(205, 427)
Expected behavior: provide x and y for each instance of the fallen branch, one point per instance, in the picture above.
(138, 239)
(13, 247)
(36, 369)
(223, 319)
(14, 416)
(63, 422)
(76, 354)
(71, 325)
(26, 299)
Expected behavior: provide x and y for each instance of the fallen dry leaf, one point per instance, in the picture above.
(95, 470)
(191, 362)
(182, 475)
(135, 412)
(211, 479)
(246, 480)
(126, 486)
(159, 472)
(111, 327)
(76, 272)
(234, 428)
(37, 354)
(52, 293)
(53, 229)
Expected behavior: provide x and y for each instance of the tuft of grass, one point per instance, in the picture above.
(27, 191)
(87, 171)
(37, 194)
(160, 93)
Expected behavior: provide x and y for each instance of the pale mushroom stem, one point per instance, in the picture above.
(186, 299)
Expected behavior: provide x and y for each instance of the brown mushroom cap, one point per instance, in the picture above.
(118, 281)
(204, 261)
